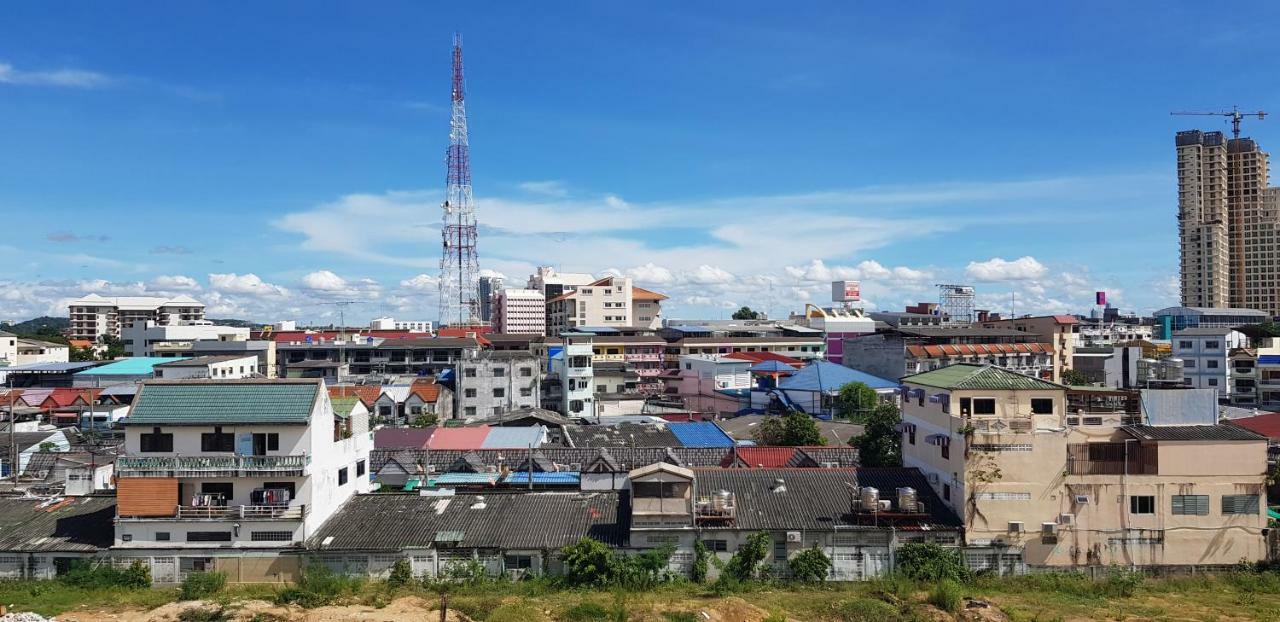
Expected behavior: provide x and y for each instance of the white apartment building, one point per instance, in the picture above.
(519, 312)
(413, 326)
(611, 301)
(95, 316)
(146, 338)
(552, 283)
(1204, 353)
(707, 381)
(8, 349)
(224, 367)
(15, 350)
(223, 474)
(572, 369)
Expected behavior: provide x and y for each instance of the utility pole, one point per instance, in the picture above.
(13, 427)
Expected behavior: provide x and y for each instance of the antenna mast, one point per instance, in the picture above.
(459, 265)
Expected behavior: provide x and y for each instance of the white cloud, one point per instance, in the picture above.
(551, 188)
(71, 78)
(245, 284)
(649, 274)
(422, 283)
(998, 269)
(175, 282)
(707, 275)
(325, 281)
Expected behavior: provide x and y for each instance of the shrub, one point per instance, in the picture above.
(318, 586)
(680, 616)
(946, 595)
(201, 585)
(201, 614)
(401, 574)
(701, 562)
(641, 571)
(586, 612)
(89, 574)
(470, 572)
(1121, 582)
(810, 565)
(931, 563)
(742, 566)
(776, 616)
(867, 610)
(588, 562)
(893, 588)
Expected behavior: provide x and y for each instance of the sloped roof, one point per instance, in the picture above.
(67, 396)
(515, 437)
(562, 478)
(133, 366)
(342, 406)
(1267, 425)
(621, 435)
(75, 524)
(969, 376)
(402, 438)
(1220, 432)
(458, 438)
(427, 392)
(366, 392)
(700, 434)
(206, 402)
(826, 376)
(640, 293)
(537, 520)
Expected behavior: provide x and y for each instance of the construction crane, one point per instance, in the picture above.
(1235, 114)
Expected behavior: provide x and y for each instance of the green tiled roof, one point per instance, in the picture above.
(968, 376)
(342, 405)
(205, 402)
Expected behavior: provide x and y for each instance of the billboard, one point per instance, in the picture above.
(846, 291)
(1101, 298)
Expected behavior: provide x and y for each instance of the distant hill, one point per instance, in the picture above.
(43, 325)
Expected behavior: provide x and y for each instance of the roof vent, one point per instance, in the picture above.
(479, 504)
(779, 485)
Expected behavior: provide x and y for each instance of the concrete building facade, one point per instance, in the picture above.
(146, 338)
(609, 302)
(1204, 353)
(494, 382)
(94, 316)
(519, 312)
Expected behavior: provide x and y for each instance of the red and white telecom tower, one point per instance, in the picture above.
(459, 264)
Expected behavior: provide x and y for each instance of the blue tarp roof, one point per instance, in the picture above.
(554, 477)
(445, 479)
(825, 376)
(772, 367)
(685, 328)
(598, 330)
(700, 434)
(135, 366)
(514, 437)
(1269, 359)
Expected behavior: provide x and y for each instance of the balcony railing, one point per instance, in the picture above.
(1112, 459)
(211, 466)
(236, 512)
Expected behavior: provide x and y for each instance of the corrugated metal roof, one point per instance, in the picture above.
(135, 366)
(458, 438)
(967, 376)
(567, 478)
(200, 402)
(74, 366)
(515, 437)
(454, 479)
(700, 434)
(75, 524)
(539, 520)
(1267, 425)
(826, 376)
(402, 438)
(1219, 432)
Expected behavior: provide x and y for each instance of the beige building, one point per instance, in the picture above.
(1056, 330)
(1000, 451)
(94, 316)
(519, 312)
(611, 301)
(1228, 222)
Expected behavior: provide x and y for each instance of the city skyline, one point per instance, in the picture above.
(730, 160)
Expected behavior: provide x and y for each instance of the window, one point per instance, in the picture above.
(600, 388)
(469, 393)
(1188, 362)
(469, 411)
(575, 406)
(946, 492)
(342, 476)
(162, 536)
(1042, 406)
(499, 392)
(1142, 504)
(526, 392)
(1212, 345)
(270, 536)
(499, 372)
(359, 468)
(208, 536)
(1240, 504)
(156, 441)
(984, 405)
(469, 372)
(946, 449)
(289, 486)
(911, 433)
(966, 407)
(1191, 505)
(517, 562)
(716, 546)
(1185, 345)
(1213, 382)
(1211, 364)
(526, 372)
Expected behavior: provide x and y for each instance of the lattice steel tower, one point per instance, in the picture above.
(459, 265)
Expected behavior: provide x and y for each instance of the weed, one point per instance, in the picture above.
(203, 614)
(867, 610)
(946, 595)
(515, 612)
(586, 611)
(202, 585)
(776, 616)
(680, 616)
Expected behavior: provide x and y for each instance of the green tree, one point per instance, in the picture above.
(810, 565)
(743, 565)
(856, 400)
(587, 562)
(1075, 378)
(82, 354)
(880, 444)
(746, 313)
(115, 348)
(793, 430)
(931, 562)
(425, 420)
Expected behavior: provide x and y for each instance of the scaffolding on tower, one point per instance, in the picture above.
(459, 264)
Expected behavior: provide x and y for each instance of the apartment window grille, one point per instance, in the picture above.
(270, 536)
(1191, 505)
(1240, 504)
(1142, 504)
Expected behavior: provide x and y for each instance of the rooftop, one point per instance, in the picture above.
(203, 361)
(970, 376)
(134, 366)
(1203, 331)
(208, 402)
(74, 524)
(825, 376)
(1220, 432)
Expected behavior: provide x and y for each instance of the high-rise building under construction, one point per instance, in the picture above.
(1228, 223)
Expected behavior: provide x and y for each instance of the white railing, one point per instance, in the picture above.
(196, 466)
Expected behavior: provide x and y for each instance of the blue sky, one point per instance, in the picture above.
(271, 158)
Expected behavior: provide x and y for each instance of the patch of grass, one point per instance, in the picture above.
(586, 611)
(946, 595)
(516, 612)
(202, 585)
(203, 614)
(680, 616)
(866, 610)
(49, 598)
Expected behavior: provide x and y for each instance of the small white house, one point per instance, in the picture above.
(225, 367)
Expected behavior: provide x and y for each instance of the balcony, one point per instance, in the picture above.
(1112, 459)
(234, 512)
(212, 466)
(635, 357)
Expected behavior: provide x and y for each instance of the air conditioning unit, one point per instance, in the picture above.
(793, 536)
(575, 467)
(1082, 499)
(1066, 519)
(1016, 526)
(1048, 530)
(933, 478)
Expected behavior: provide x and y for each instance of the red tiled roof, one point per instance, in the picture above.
(80, 343)
(1267, 425)
(766, 457)
(760, 357)
(458, 438)
(63, 397)
(640, 293)
(461, 332)
(426, 392)
(368, 394)
(978, 349)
